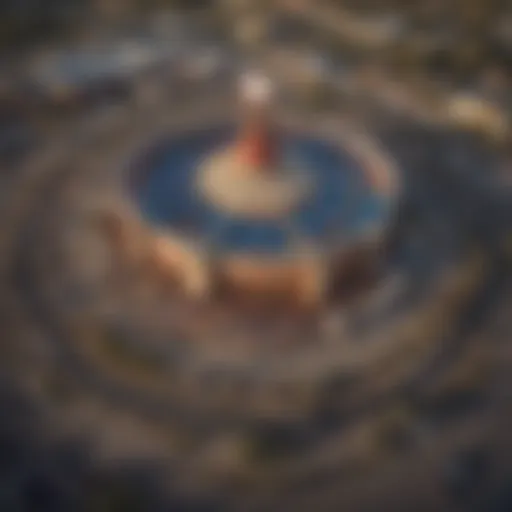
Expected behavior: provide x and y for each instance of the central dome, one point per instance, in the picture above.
(233, 188)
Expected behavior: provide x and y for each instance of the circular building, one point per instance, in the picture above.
(265, 207)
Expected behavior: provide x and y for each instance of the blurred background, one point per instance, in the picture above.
(433, 80)
(436, 58)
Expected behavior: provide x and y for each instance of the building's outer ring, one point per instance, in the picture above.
(306, 275)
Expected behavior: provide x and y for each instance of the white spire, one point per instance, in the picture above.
(256, 87)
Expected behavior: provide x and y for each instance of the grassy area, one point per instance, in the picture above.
(461, 387)
(270, 443)
(117, 349)
(58, 386)
(114, 497)
(393, 428)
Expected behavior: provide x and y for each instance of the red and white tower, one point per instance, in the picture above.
(249, 178)
(257, 145)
